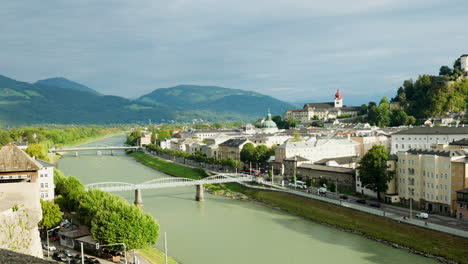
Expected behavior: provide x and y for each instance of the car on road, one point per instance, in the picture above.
(51, 247)
(422, 215)
(343, 197)
(375, 205)
(322, 190)
(59, 257)
(361, 201)
(67, 253)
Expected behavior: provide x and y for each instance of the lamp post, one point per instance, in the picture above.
(47, 231)
(115, 244)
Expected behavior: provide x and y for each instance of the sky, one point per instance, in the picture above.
(293, 50)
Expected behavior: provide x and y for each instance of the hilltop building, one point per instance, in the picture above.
(322, 111)
(464, 63)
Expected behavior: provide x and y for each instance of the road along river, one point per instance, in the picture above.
(224, 231)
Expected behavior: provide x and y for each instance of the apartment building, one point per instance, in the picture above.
(430, 178)
(426, 137)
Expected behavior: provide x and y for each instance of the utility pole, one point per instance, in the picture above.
(294, 175)
(82, 253)
(165, 248)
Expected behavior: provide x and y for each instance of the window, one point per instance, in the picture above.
(445, 186)
(46, 185)
(396, 145)
(42, 185)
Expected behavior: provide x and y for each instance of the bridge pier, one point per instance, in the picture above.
(112, 152)
(76, 154)
(138, 199)
(200, 196)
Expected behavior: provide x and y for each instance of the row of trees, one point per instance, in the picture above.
(285, 124)
(259, 154)
(383, 116)
(197, 156)
(111, 218)
(50, 136)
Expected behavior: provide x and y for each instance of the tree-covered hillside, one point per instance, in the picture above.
(215, 99)
(65, 83)
(25, 103)
(428, 96)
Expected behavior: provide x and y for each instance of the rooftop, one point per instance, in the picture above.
(437, 152)
(326, 168)
(339, 160)
(320, 105)
(235, 142)
(461, 142)
(45, 163)
(13, 159)
(433, 131)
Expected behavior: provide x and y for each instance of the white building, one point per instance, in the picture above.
(201, 134)
(46, 180)
(464, 63)
(426, 137)
(269, 140)
(317, 149)
(322, 111)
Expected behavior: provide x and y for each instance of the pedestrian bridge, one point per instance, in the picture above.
(168, 183)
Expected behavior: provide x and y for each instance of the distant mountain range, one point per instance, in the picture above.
(58, 100)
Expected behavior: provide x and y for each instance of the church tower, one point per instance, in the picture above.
(338, 99)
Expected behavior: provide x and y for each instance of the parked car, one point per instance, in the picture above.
(322, 190)
(375, 205)
(59, 257)
(361, 201)
(422, 215)
(344, 197)
(51, 247)
(67, 253)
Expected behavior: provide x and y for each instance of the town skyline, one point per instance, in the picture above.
(288, 51)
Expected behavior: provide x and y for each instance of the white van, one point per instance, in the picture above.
(322, 190)
(422, 215)
(299, 185)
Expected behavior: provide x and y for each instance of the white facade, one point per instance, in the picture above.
(426, 137)
(317, 149)
(46, 180)
(464, 62)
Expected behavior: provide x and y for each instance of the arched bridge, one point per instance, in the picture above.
(168, 183)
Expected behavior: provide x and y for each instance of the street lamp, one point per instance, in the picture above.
(47, 231)
(115, 244)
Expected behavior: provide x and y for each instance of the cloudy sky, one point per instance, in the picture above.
(294, 50)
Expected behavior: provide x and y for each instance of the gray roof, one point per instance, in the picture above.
(320, 105)
(339, 160)
(45, 163)
(235, 142)
(326, 168)
(433, 131)
(461, 142)
(438, 152)
(13, 159)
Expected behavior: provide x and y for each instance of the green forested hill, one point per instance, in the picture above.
(65, 83)
(25, 103)
(223, 101)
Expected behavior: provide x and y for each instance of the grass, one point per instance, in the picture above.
(167, 167)
(154, 256)
(421, 239)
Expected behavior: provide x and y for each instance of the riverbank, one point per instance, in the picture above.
(412, 238)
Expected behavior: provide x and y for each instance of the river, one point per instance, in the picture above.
(224, 231)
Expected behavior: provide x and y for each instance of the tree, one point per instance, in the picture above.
(263, 153)
(332, 187)
(163, 134)
(296, 136)
(363, 109)
(445, 70)
(248, 153)
(292, 122)
(51, 215)
(37, 150)
(373, 170)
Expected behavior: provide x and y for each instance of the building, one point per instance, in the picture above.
(322, 111)
(317, 149)
(269, 140)
(342, 177)
(232, 148)
(464, 63)
(268, 126)
(144, 140)
(201, 134)
(462, 204)
(46, 180)
(430, 178)
(20, 210)
(367, 142)
(426, 137)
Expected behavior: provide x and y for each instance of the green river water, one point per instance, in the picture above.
(224, 231)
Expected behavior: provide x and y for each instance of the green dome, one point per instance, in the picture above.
(269, 123)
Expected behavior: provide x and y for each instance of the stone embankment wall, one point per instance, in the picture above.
(20, 212)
